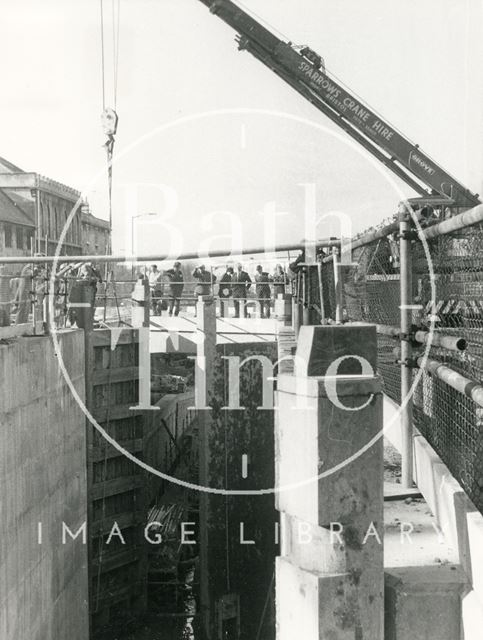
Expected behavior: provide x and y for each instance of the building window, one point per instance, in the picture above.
(8, 235)
(29, 237)
(19, 237)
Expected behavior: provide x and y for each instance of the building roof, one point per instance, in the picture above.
(27, 205)
(88, 218)
(9, 167)
(11, 213)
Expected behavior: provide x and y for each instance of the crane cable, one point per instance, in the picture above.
(115, 19)
(109, 117)
(115, 9)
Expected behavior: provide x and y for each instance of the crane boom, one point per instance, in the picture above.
(304, 71)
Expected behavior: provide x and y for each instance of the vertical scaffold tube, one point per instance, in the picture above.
(406, 350)
(321, 292)
(337, 285)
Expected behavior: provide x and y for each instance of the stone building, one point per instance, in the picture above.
(34, 211)
(95, 233)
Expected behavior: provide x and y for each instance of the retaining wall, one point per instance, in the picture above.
(43, 587)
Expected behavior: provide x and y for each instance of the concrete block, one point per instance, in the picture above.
(475, 541)
(315, 437)
(296, 602)
(312, 605)
(463, 507)
(438, 487)
(423, 602)
(472, 616)
(310, 547)
(320, 346)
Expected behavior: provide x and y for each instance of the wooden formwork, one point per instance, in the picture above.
(116, 485)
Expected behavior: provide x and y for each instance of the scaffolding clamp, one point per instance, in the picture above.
(410, 363)
(408, 234)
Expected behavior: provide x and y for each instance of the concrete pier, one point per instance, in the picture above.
(330, 574)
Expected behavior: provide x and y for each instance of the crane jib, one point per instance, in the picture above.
(369, 123)
(301, 72)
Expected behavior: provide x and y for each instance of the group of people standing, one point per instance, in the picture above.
(176, 287)
(234, 284)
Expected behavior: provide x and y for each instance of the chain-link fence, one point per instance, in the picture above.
(370, 292)
(452, 422)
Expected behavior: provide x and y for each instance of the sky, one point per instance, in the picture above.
(213, 142)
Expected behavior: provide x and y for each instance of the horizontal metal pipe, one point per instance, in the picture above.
(466, 386)
(371, 236)
(461, 221)
(219, 253)
(368, 238)
(451, 343)
(455, 380)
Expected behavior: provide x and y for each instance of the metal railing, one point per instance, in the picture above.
(34, 303)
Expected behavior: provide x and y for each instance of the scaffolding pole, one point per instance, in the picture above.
(405, 229)
(193, 255)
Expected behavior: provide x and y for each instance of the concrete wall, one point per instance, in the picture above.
(236, 569)
(43, 587)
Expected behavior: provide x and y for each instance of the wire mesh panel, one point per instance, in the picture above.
(371, 289)
(371, 294)
(451, 422)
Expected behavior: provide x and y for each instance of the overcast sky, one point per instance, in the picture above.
(419, 63)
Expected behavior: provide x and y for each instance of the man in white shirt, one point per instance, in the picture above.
(155, 287)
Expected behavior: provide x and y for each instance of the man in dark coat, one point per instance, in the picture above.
(262, 280)
(241, 283)
(224, 290)
(204, 281)
(176, 286)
